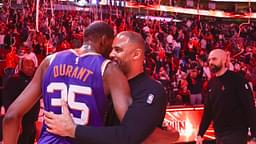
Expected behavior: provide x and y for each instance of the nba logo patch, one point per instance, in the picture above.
(150, 98)
(246, 86)
(222, 88)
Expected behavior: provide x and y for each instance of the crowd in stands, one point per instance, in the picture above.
(176, 52)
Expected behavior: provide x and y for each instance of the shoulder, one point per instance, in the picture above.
(46, 63)
(150, 82)
(155, 94)
(153, 87)
(48, 59)
(239, 82)
(238, 78)
(109, 67)
(65, 52)
(155, 84)
(111, 70)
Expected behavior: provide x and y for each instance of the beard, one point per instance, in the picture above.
(122, 65)
(124, 68)
(215, 68)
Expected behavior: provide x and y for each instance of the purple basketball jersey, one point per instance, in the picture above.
(78, 81)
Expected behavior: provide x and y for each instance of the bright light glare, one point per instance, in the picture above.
(234, 0)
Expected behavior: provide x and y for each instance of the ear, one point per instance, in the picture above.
(227, 61)
(137, 53)
(103, 40)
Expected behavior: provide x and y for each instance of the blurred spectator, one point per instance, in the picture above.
(206, 71)
(11, 62)
(163, 75)
(184, 92)
(195, 80)
(30, 54)
(12, 88)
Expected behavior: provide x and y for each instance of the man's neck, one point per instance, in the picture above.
(133, 73)
(85, 48)
(221, 72)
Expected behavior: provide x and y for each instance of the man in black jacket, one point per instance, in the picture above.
(229, 104)
(12, 89)
(145, 114)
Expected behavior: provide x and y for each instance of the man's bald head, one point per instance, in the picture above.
(219, 53)
(217, 60)
(133, 38)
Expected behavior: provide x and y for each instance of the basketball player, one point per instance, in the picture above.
(82, 78)
(145, 114)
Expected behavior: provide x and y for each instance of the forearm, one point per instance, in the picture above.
(110, 135)
(205, 122)
(203, 126)
(121, 134)
(138, 124)
(93, 135)
(11, 129)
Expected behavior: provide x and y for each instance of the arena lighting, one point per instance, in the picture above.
(234, 0)
(69, 7)
(210, 137)
(67, 0)
(112, 2)
(180, 109)
(158, 18)
(81, 3)
(213, 13)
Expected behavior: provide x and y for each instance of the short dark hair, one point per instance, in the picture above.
(96, 30)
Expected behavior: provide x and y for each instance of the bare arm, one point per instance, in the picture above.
(117, 84)
(25, 101)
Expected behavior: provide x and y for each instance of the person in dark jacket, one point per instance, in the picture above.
(229, 104)
(12, 89)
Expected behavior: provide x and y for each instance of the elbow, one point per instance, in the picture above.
(129, 102)
(10, 117)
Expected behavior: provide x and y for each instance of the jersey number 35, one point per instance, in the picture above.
(68, 94)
